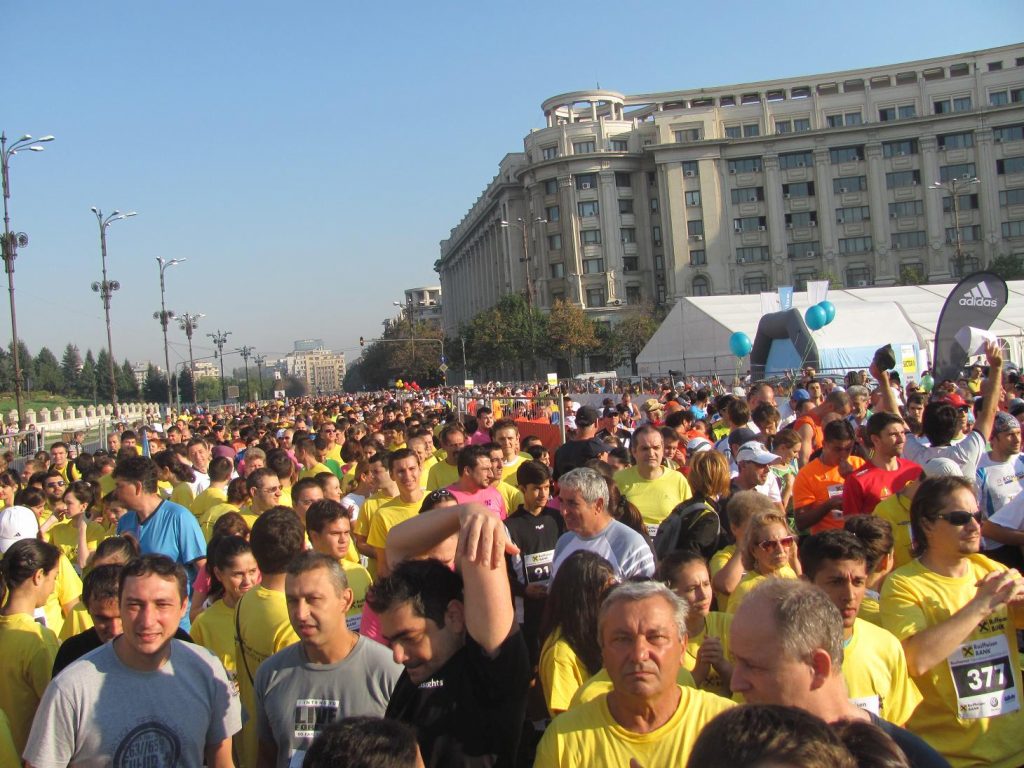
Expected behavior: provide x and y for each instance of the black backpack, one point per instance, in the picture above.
(693, 525)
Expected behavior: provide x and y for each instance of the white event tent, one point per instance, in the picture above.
(694, 338)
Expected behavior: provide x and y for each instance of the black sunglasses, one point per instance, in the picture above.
(960, 518)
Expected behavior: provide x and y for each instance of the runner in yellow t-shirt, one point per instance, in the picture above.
(329, 527)
(650, 487)
(405, 472)
(233, 572)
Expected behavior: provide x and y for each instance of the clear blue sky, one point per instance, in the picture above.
(307, 157)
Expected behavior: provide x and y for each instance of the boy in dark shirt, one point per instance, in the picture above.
(534, 528)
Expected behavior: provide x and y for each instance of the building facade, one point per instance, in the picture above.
(321, 369)
(626, 200)
(424, 304)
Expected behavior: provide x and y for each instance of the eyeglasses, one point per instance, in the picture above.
(769, 544)
(55, 484)
(274, 489)
(960, 517)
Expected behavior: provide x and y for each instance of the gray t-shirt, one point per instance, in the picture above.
(296, 699)
(99, 712)
(619, 544)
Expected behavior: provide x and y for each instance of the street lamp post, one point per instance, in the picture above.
(259, 360)
(246, 353)
(106, 288)
(529, 281)
(220, 338)
(188, 323)
(954, 187)
(9, 250)
(165, 316)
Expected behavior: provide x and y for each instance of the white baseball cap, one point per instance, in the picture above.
(754, 451)
(16, 523)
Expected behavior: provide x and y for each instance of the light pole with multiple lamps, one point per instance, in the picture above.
(165, 316)
(220, 338)
(9, 250)
(106, 288)
(246, 353)
(259, 360)
(188, 323)
(525, 258)
(954, 187)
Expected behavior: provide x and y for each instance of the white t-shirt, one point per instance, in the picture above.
(966, 453)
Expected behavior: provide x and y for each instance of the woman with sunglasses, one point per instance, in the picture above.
(768, 551)
(952, 608)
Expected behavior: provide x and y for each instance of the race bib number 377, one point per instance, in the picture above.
(982, 673)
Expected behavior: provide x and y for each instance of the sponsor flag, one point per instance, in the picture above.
(817, 291)
(976, 301)
(769, 302)
(785, 297)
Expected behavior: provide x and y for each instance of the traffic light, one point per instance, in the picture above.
(362, 342)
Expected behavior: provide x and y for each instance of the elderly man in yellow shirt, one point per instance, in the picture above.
(647, 716)
(649, 486)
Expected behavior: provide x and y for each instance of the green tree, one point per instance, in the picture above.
(629, 336)
(86, 386)
(1008, 266)
(70, 370)
(186, 387)
(154, 387)
(571, 333)
(48, 374)
(103, 391)
(127, 386)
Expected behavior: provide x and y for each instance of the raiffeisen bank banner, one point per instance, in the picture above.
(976, 302)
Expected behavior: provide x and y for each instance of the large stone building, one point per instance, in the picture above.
(321, 369)
(622, 200)
(424, 304)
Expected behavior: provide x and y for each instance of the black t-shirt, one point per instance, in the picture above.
(76, 646)
(919, 753)
(471, 712)
(576, 453)
(533, 534)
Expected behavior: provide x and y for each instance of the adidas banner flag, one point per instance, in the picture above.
(975, 302)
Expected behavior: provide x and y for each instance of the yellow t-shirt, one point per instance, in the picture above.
(67, 589)
(560, 671)
(870, 609)
(896, 510)
(589, 735)
(183, 495)
(986, 666)
(210, 517)
(264, 630)
(716, 624)
(601, 683)
(334, 452)
(442, 475)
(315, 470)
(64, 536)
(25, 666)
(654, 498)
(425, 468)
(720, 558)
(508, 471)
(207, 500)
(164, 488)
(876, 675)
(78, 621)
(513, 496)
(388, 516)
(373, 502)
(750, 580)
(214, 629)
(359, 581)
(8, 752)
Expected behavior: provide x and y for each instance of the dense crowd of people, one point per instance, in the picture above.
(814, 572)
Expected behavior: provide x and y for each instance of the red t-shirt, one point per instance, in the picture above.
(870, 484)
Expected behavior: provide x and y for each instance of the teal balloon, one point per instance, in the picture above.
(815, 317)
(830, 311)
(740, 344)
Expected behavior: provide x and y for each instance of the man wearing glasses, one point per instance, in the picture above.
(953, 610)
(53, 488)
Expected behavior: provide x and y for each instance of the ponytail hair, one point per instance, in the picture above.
(22, 560)
(221, 552)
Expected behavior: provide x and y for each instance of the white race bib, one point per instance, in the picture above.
(982, 673)
(537, 567)
(870, 704)
(652, 530)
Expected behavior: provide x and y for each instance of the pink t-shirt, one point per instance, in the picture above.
(488, 496)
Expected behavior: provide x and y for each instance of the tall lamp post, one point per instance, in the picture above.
(188, 323)
(106, 288)
(220, 338)
(260, 360)
(246, 353)
(9, 250)
(165, 316)
(954, 187)
(525, 258)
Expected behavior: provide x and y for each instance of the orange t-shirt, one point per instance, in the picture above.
(815, 483)
(814, 422)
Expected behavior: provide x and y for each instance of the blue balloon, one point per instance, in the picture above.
(815, 317)
(740, 344)
(830, 311)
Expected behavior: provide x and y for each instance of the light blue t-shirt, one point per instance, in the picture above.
(173, 531)
(624, 549)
